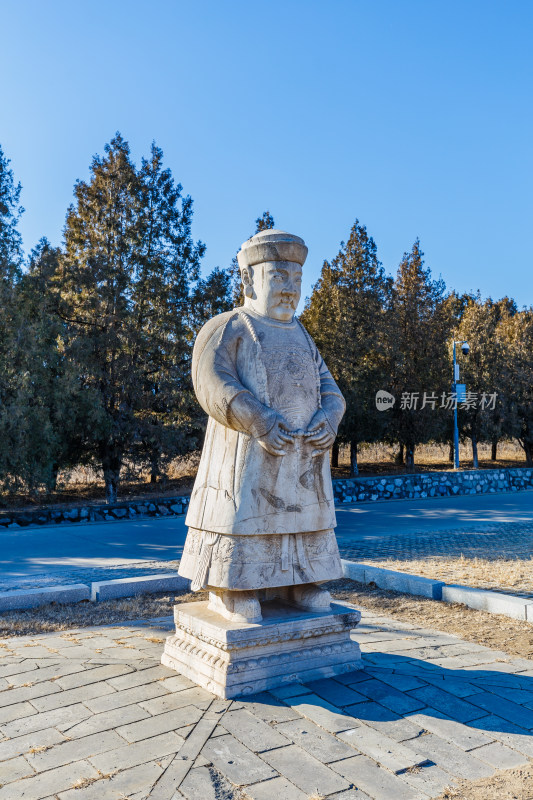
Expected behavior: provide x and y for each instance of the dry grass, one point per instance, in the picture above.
(380, 459)
(512, 574)
(82, 783)
(512, 636)
(508, 784)
(82, 615)
(84, 484)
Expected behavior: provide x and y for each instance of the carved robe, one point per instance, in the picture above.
(245, 368)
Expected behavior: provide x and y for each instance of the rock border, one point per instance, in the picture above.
(424, 485)
(433, 484)
(159, 507)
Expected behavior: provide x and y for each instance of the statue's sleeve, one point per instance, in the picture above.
(333, 404)
(331, 399)
(217, 385)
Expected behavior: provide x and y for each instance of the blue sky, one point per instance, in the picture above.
(414, 116)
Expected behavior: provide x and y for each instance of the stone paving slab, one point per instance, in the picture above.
(426, 711)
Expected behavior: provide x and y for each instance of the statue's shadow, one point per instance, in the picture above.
(388, 691)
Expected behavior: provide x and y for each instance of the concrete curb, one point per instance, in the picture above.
(394, 581)
(96, 592)
(520, 608)
(479, 599)
(146, 584)
(493, 602)
(32, 598)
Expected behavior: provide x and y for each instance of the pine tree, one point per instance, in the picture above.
(420, 325)
(515, 337)
(210, 297)
(169, 265)
(481, 371)
(50, 413)
(10, 212)
(124, 281)
(10, 272)
(265, 222)
(346, 315)
(11, 258)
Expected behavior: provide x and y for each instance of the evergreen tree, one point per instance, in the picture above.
(346, 316)
(10, 272)
(10, 262)
(210, 297)
(265, 222)
(49, 412)
(515, 336)
(10, 213)
(124, 282)
(420, 325)
(481, 372)
(169, 263)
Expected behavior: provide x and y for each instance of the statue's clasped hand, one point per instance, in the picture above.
(275, 441)
(319, 435)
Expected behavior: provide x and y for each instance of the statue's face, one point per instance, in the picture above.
(277, 287)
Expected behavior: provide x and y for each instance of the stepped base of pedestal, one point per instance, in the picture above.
(288, 646)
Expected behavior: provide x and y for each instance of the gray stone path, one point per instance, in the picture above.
(501, 540)
(92, 715)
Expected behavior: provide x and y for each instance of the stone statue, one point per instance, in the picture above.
(261, 515)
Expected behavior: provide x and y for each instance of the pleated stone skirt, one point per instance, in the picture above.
(222, 561)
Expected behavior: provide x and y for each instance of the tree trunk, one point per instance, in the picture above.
(335, 454)
(111, 465)
(155, 472)
(474, 451)
(354, 466)
(53, 478)
(451, 453)
(494, 450)
(410, 456)
(528, 450)
(399, 457)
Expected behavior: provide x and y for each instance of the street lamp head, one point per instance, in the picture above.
(465, 348)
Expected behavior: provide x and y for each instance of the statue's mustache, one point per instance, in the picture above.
(288, 297)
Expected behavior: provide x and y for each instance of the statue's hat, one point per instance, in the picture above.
(272, 245)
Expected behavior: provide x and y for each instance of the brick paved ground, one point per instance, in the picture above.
(94, 709)
(501, 540)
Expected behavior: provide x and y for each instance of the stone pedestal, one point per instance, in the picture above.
(287, 646)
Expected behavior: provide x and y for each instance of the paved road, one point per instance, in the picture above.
(473, 525)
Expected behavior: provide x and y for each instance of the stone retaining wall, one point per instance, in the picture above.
(433, 484)
(428, 484)
(159, 507)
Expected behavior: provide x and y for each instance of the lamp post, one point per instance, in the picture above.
(465, 348)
